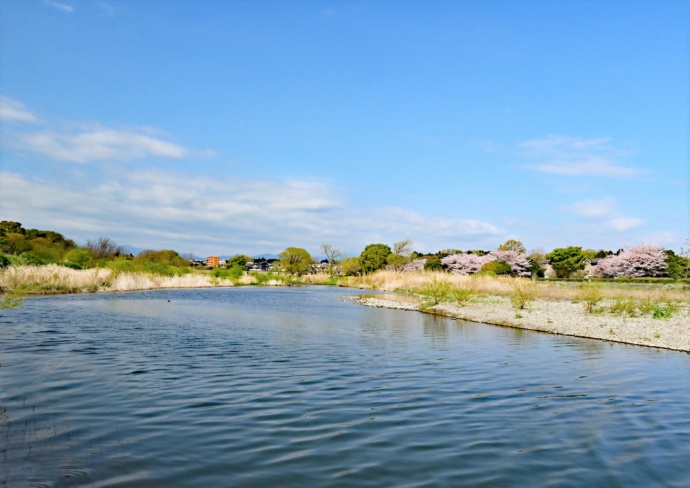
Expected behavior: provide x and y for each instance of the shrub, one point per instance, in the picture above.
(523, 293)
(662, 311)
(30, 259)
(436, 290)
(463, 294)
(433, 264)
(4, 261)
(590, 295)
(496, 268)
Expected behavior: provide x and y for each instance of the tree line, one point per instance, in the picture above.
(35, 247)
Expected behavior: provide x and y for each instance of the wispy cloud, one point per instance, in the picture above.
(604, 211)
(99, 144)
(226, 215)
(626, 223)
(14, 111)
(572, 156)
(60, 6)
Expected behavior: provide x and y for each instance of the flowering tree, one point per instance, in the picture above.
(465, 264)
(519, 264)
(636, 262)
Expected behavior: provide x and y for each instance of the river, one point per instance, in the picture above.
(263, 387)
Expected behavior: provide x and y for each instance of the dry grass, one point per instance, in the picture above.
(316, 279)
(504, 286)
(58, 279)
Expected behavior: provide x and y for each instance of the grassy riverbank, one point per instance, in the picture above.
(651, 314)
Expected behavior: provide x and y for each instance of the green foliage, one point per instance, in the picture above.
(351, 267)
(662, 312)
(535, 268)
(678, 266)
(263, 278)
(463, 294)
(590, 295)
(374, 257)
(238, 260)
(433, 264)
(436, 290)
(124, 265)
(7, 226)
(566, 260)
(496, 268)
(397, 261)
(4, 261)
(512, 245)
(236, 271)
(295, 260)
(30, 259)
(523, 293)
(624, 306)
(165, 256)
(78, 256)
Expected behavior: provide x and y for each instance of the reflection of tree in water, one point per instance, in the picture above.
(436, 328)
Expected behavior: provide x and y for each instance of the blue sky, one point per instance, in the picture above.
(225, 127)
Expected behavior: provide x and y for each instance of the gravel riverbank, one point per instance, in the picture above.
(558, 317)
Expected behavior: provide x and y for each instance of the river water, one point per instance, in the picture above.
(295, 387)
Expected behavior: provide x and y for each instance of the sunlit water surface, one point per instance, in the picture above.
(295, 387)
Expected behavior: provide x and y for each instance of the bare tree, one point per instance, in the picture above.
(403, 248)
(104, 247)
(400, 254)
(332, 256)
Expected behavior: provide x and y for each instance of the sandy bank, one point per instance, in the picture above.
(559, 317)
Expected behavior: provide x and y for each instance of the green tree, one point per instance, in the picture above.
(78, 256)
(351, 267)
(374, 257)
(295, 260)
(15, 243)
(164, 256)
(433, 264)
(566, 260)
(512, 245)
(238, 260)
(678, 266)
(7, 226)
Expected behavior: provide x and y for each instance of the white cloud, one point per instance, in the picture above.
(625, 223)
(597, 208)
(60, 6)
(99, 144)
(222, 215)
(604, 212)
(14, 111)
(571, 156)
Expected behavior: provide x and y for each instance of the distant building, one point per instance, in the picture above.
(212, 261)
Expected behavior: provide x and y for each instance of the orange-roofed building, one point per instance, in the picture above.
(212, 261)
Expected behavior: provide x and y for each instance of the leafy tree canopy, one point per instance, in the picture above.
(374, 257)
(566, 260)
(295, 260)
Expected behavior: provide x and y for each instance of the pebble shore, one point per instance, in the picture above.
(557, 317)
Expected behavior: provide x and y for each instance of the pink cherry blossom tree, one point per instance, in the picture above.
(636, 262)
(465, 264)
